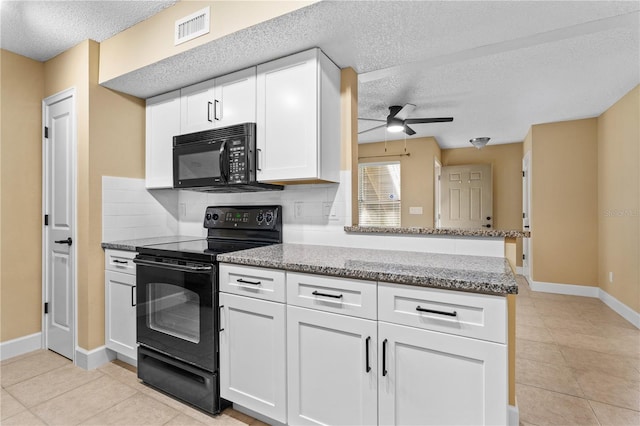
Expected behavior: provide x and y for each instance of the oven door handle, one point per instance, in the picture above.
(205, 269)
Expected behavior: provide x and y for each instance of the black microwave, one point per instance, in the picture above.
(218, 160)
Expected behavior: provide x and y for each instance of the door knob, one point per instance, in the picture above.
(487, 225)
(67, 241)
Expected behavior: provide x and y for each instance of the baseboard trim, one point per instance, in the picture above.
(569, 289)
(519, 270)
(513, 415)
(94, 358)
(620, 308)
(21, 345)
(588, 291)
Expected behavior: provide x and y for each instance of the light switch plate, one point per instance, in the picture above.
(415, 210)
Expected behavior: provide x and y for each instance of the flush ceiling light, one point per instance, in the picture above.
(479, 142)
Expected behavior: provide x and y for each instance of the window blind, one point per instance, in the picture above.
(379, 197)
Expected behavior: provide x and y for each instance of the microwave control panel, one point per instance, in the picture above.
(238, 163)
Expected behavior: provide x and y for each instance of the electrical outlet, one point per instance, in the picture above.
(298, 209)
(610, 277)
(326, 208)
(182, 210)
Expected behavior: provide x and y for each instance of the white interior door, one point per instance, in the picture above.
(59, 206)
(466, 196)
(437, 168)
(526, 213)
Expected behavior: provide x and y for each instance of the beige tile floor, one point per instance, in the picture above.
(577, 363)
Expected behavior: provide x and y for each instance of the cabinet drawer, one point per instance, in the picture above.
(120, 261)
(339, 295)
(262, 283)
(478, 316)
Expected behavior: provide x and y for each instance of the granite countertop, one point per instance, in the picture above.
(502, 233)
(130, 245)
(478, 274)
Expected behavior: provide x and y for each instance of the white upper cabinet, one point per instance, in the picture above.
(298, 119)
(235, 98)
(162, 124)
(196, 107)
(219, 102)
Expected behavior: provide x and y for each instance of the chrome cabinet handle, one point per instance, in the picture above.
(209, 112)
(133, 291)
(123, 262)
(220, 318)
(215, 110)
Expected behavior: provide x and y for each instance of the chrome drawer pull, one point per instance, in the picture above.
(240, 280)
(431, 311)
(124, 262)
(317, 293)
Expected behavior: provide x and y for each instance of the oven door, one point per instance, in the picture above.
(200, 164)
(175, 309)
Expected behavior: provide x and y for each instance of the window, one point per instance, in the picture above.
(379, 194)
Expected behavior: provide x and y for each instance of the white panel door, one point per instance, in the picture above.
(287, 118)
(252, 354)
(196, 107)
(332, 372)
(431, 378)
(163, 123)
(235, 98)
(466, 196)
(120, 319)
(60, 205)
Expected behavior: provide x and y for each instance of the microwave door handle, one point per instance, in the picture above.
(224, 160)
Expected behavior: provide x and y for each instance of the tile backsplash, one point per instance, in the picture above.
(312, 214)
(131, 211)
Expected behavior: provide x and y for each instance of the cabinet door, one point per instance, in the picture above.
(163, 123)
(331, 380)
(287, 119)
(431, 378)
(235, 98)
(252, 354)
(120, 319)
(196, 107)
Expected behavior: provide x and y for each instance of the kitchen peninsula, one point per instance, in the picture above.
(381, 336)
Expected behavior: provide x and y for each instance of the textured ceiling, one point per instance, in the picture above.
(497, 67)
(41, 30)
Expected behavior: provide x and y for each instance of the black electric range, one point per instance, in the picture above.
(177, 302)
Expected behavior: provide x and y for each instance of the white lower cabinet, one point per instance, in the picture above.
(252, 354)
(432, 378)
(332, 377)
(120, 303)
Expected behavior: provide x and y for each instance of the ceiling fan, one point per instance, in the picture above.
(397, 120)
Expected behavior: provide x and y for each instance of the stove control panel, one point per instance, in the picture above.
(245, 217)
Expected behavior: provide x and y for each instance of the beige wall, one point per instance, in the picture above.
(416, 174)
(506, 160)
(564, 218)
(22, 87)
(152, 40)
(349, 132)
(618, 147)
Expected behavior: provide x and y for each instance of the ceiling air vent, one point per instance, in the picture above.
(192, 26)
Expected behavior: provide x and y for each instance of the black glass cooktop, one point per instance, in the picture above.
(203, 250)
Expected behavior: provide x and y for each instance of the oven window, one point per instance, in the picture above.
(174, 310)
(199, 165)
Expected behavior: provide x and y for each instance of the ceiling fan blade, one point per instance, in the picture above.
(408, 130)
(372, 119)
(373, 128)
(405, 111)
(428, 120)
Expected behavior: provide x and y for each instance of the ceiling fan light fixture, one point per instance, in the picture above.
(479, 142)
(394, 125)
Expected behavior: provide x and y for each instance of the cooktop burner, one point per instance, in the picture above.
(229, 229)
